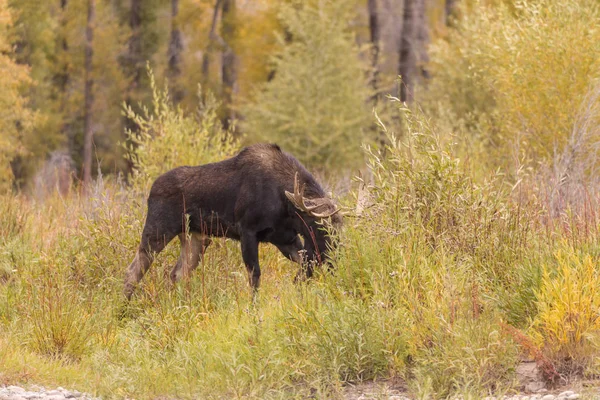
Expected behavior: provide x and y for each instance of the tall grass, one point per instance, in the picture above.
(505, 79)
(441, 281)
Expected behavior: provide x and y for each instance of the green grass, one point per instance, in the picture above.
(443, 282)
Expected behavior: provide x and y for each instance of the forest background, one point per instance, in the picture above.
(309, 82)
(72, 65)
(474, 179)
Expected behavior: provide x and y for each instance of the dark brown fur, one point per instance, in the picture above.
(242, 198)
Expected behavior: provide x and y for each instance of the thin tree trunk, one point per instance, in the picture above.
(61, 79)
(449, 8)
(135, 45)
(228, 60)
(206, 57)
(413, 48)
(407, 52)
(89, 95)
(133, 66)
(174, 55)
(374, 29)
(422, 40)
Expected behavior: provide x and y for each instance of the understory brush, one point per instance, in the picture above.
(506, 83)
(441, 281)
(567, 325)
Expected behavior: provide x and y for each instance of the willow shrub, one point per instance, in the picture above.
(69, 276)
(567, 326)
(443, 258)
(426, 280)
(18, 120)
(168, 137)
(512, 75)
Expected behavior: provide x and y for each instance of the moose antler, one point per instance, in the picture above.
(297, 198)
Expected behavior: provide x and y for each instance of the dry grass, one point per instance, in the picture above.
(443, 281)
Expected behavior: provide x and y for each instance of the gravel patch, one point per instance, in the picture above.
(368, 392)
(566, 395)
(381, 391)
(38, 392)
(386, 390)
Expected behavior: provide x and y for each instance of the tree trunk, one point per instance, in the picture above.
(174, 55)
(206, 57)
(408, 58)
(89, 95)
(228, 60)
(449, 8)
(374, 29)
(61, 78)
(133, 66)
(422, 40)
(135, 60)
(413, 48)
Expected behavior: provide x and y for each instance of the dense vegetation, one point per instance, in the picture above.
(471, 241)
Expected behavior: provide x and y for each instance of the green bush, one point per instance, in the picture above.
(59, 318)
(439, 280)
(468, 356)
(18, 120)
(170, 138)
(443, 253)
(567, 327)
(315, 106)
(510, 79)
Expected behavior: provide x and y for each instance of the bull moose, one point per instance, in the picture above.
(262, 194)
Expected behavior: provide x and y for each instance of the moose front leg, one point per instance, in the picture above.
(250, 256)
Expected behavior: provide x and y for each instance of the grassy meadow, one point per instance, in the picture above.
(471, 241)
(440, 281)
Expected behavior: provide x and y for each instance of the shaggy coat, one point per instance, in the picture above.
(242, 198)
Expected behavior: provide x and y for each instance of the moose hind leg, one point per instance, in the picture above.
(138, 267)
(192, 248)
(151, 244)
